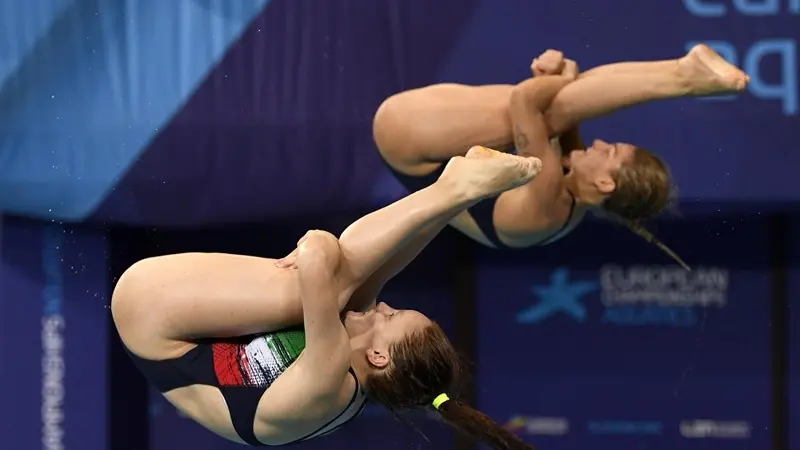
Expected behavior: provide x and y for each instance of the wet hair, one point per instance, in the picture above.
(643, 190)
(424, 365)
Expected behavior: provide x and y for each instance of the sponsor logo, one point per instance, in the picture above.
(660, 295)
(704, 429)
(625, 427)
(561, 296)
(631, 296)
(53, 323)
(547, 426)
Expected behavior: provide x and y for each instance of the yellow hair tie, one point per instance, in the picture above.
(441, 398)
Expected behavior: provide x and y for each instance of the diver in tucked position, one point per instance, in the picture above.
(259, 351)
(418, 130)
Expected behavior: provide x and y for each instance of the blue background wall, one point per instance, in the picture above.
(151, 112)
(122, 120)
(794, 346)
(623, 351)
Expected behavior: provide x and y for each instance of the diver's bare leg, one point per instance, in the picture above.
(701, 72)
(628, 67)
(368, 291)
(416, 130)
(370, 241)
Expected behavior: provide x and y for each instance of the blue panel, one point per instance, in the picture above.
(597, 344)
(169, 113)
(285, 130)
(97, 86)
(30, 22)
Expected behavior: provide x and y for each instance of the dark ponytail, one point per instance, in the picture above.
(643, 190)
(479, 426)
(423, 366)
(638, 229)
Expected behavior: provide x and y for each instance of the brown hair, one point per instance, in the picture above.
(424, 365)
(643, 190)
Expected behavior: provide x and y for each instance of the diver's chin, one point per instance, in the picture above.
(351, 323)
(358, 322)
(353, 316)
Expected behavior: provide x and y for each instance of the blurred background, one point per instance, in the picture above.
(132, 128)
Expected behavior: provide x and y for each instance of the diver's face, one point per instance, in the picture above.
(382, 326)
(384, 322)
(595, 166)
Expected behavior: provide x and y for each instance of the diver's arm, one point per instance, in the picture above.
(318, 378)
(529, 102)
(552, 62)
(531, 207)
(571, 139)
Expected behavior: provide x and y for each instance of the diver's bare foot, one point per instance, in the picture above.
(707, 73)
(484, 172)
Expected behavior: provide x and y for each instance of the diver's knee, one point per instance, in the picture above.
(125, 289)
(133, 301)
(388, 124)
(319, 248)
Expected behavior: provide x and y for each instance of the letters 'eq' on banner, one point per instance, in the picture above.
(587, 342)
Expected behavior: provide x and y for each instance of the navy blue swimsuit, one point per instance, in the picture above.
(482, 212)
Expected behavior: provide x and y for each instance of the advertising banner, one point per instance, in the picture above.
(794, 337)
(54, 332)
(599, 342)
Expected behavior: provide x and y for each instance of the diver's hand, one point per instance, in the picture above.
(552, 62)
(290, 261)
(571, 69)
